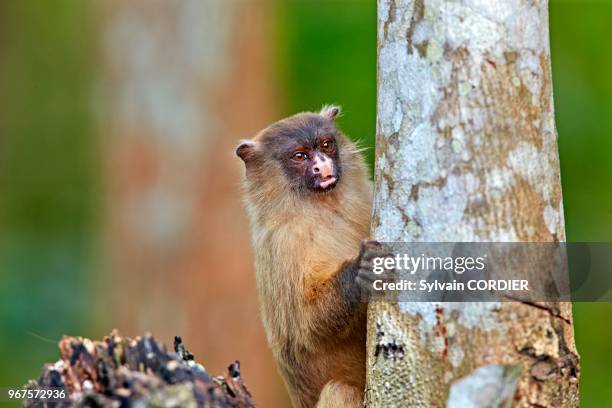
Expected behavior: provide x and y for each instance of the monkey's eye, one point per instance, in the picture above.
(328, 146)
(299, 156)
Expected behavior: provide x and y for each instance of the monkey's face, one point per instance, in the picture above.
(305, 149)
(314, 165)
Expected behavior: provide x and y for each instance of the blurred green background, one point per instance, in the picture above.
(51, 153)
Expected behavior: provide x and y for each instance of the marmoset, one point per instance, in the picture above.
(308, 198)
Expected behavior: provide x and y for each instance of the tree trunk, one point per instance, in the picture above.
(467, 152)
(184, 81)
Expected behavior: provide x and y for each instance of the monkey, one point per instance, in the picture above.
(308, 197)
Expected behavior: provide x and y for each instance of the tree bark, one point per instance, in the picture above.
(467, 152)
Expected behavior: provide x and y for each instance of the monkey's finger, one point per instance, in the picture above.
(371, 255)
(367, 265)
(370, 293)
(366, 277)
(365, 284)
(369, 245)
(365, 290)
(388, 277)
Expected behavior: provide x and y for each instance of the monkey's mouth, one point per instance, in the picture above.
(328, 184)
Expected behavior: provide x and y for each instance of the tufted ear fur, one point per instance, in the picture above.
(330, 112)
(246, 150)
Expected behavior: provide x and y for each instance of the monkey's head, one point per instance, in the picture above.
(304, 152)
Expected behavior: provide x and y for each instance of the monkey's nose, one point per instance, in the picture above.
(324, 170)
(327, 173)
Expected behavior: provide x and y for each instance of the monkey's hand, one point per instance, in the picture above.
(371, 275)
(353, 286)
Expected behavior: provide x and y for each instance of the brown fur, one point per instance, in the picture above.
(301, 242)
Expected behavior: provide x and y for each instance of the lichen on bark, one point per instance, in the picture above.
(467, 152)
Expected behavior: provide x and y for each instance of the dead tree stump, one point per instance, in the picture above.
(124, 372)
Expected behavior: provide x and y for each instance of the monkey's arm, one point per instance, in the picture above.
(336, 299)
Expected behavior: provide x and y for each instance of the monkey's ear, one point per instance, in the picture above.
(246, 150)
(330, 112)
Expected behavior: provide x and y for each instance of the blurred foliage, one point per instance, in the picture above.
(582, 62)
(327, 54)
(582, 81)
(48, 178)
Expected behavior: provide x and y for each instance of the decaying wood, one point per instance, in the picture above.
(467, 152)
(119, 371)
